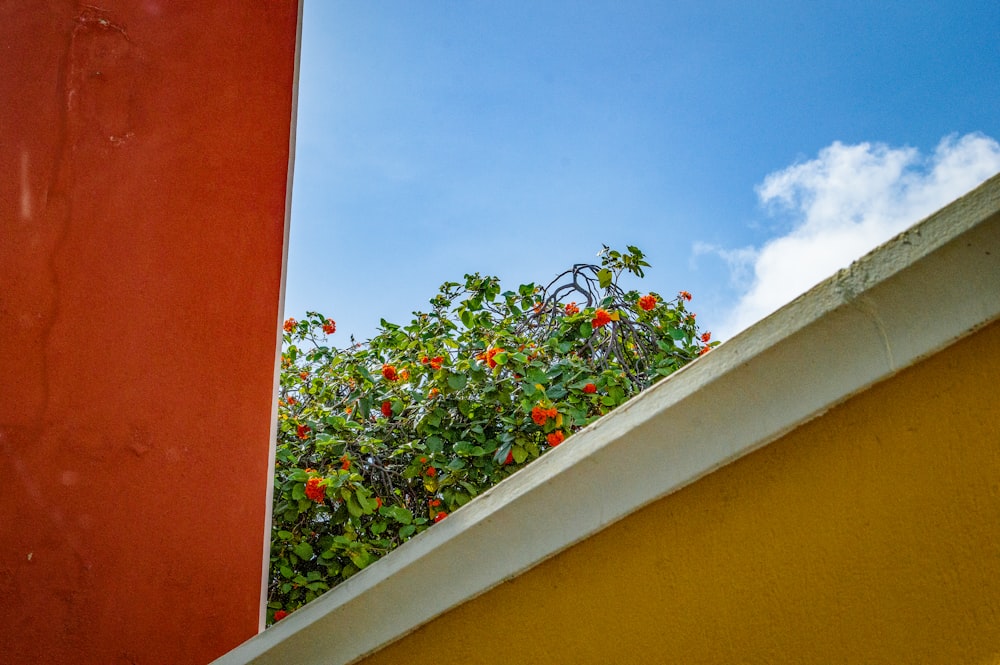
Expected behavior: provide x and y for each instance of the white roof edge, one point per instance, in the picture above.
(914, 295)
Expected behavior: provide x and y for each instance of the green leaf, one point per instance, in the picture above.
(557, 391)
(399, 513)
(304, 551)
(457, 381)
(353, 506)
(604, 277)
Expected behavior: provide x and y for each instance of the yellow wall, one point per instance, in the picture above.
(870, 535)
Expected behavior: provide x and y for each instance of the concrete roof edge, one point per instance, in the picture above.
(918, 293)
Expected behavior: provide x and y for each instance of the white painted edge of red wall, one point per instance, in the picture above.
(278, 331)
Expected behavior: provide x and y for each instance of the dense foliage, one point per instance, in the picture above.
(378, 441)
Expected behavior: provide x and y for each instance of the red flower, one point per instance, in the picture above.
(314, 490)
(291, 400)
(304, 376)
(423, 460)
(290, 325)
(431, 472)
(440, 516)
(280, 614)
(389, 372)
(590, 389)
(436, 362)
(601, 318)
(489, 356)
(345, 463)
(387, 409)
(510, 458)
(302, 431)
(540, 415)
(378, 502)
(555, 438)
(704, 350)
(433, 503)
(647, 302)
(330, 326)
(685, 295)
(707, 336)
(424, 360)
(572, 309)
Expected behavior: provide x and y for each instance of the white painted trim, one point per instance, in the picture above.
(273, 431)
(915, 295)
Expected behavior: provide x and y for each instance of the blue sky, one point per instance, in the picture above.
(749, 148)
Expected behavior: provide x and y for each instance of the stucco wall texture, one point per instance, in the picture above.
(868, 535)
(145, 147)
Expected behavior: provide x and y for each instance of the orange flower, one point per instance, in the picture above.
(424, 360)
(291, 401)
(404, 375)
(685, 295)
(290, 325)
(433, 503)
(436, 362)
(304, 376)
(647, 302)
(302, 431)
(707, 336)
(345, 463)
(314, 490)
(572, 309)
(540, 415)
(537, 307)
(432, 393)
(431, 472)
(440, 516)
(590, 389)
(330, 326)
(387, 409)
(423, 460)
(601, 318)
(489, 356)
(378, 502)
(389, 372)
(555, 438)
(704, 350)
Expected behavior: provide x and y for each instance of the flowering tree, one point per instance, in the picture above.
(379, 441)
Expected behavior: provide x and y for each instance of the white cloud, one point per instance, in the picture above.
(842, 204)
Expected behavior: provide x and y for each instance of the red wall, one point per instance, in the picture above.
(145, 154)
